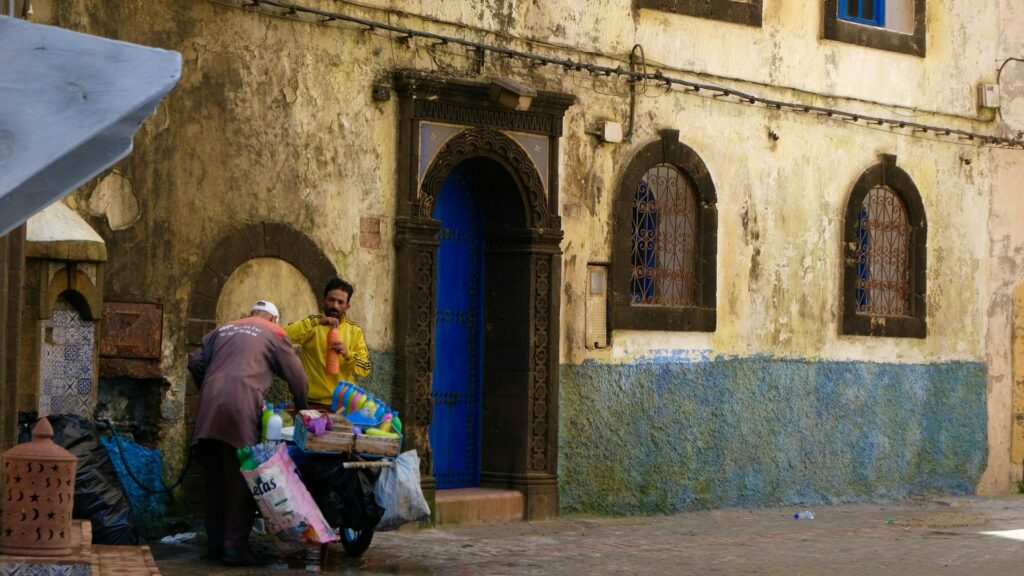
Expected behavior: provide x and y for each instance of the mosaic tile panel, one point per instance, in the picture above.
(66, 364)
(30, 569)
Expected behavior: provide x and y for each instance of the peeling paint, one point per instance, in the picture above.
(274, 121)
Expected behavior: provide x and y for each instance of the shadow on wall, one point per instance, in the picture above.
(133, 406)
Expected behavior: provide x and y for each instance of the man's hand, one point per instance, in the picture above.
(329, 321)
(341, 350)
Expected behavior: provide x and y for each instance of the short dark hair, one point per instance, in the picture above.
(336, 283)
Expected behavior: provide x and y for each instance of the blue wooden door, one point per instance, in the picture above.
(455, 431)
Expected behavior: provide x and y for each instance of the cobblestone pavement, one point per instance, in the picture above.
(911, 537)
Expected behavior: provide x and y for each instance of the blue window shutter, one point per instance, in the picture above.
(870, 12)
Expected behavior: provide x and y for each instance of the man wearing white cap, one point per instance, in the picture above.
(233, 369)
(269, 311)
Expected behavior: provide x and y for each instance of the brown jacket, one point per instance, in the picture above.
(233, 368)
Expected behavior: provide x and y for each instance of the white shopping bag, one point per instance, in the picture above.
(398, 491)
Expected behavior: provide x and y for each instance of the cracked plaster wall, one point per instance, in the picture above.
(273, 120)
(1005, 270)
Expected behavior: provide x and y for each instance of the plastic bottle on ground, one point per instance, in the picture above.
(805, 515)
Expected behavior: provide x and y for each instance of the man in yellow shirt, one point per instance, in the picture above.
(311, 333)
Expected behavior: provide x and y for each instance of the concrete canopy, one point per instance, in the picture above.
(70, 104)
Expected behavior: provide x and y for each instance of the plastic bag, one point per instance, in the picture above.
(146, 465)
(292, 516)
(398, 491)
(345, 497)
(99, 495)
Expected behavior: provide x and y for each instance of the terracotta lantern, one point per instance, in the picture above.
(37, 496)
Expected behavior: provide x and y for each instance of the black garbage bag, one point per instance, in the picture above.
(99, 495)
(345, 497)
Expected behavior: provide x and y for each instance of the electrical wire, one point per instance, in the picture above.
(892, 108)
(404, 34)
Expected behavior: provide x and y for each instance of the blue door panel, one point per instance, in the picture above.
(455, 431)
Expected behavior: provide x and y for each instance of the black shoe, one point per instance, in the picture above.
(241, 557)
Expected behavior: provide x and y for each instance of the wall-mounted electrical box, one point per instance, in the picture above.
(597, 306)
(988, 95)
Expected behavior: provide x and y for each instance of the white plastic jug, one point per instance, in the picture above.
(274, 424)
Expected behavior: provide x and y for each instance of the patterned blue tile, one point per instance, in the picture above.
(23, 569)
(69, 345)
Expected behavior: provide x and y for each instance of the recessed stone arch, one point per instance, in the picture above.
(262, 239)
(494, 145)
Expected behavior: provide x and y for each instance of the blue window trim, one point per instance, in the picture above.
(878, 20)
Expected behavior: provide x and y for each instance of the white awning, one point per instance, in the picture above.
(70, 104)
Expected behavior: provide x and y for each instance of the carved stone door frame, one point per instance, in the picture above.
(445, 123)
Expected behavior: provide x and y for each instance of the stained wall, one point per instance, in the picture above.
(274, 121)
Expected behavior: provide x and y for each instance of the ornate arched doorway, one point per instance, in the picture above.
(507, 161)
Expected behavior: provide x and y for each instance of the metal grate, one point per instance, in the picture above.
(883, 255)
(664, 239)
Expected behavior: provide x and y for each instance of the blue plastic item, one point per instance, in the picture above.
(147, 466)
(337, 392)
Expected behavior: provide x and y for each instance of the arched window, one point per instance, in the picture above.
(664, 239)
(663, 274)
(884, 272)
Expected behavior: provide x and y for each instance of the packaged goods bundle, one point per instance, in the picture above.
(293, 518)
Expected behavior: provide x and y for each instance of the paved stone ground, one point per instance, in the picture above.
(926, 536)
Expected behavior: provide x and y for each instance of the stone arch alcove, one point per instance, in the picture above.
(259, 240)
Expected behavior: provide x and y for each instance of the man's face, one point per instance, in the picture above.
(336, 303)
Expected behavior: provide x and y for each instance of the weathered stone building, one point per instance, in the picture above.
(795, 275)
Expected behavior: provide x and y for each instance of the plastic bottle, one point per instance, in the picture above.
(331, 361)
(267, 412)
(805, 515)
(274, 425)
(286, 418)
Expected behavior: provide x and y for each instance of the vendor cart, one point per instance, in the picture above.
(339, 468)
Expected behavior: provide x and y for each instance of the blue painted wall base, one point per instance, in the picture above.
(662, 437)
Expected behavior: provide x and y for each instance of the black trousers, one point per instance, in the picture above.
(230, 509)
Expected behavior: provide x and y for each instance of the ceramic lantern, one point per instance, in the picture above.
(37, 496)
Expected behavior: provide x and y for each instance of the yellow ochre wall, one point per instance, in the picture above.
(273, 120)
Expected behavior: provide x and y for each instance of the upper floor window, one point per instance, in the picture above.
(665, 245)
(884, 272)
(746, 12)
(894, 25)
(870, 12)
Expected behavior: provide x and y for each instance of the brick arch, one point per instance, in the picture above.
(260, 240)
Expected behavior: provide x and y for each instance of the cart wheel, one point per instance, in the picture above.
(355, 542)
